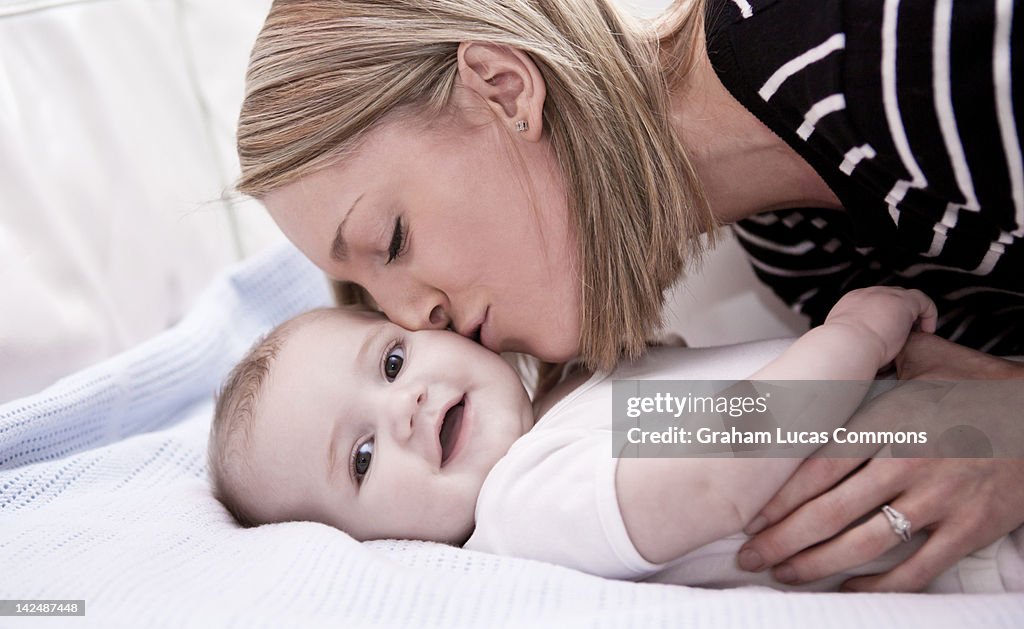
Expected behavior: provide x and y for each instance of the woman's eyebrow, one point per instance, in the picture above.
(339, 248)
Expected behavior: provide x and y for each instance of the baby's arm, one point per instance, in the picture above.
(672, 506)
(864, 330)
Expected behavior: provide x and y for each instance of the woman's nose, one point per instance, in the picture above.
(439, 318)
(428, 310)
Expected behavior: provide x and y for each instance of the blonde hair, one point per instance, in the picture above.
(325, 72)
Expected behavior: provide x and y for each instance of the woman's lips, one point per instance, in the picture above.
(486, 333)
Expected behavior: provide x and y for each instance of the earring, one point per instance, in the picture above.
(522, 126)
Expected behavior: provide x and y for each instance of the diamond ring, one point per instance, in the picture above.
(899, 523)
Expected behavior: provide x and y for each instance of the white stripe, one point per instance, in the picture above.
(959, 331)
(938, 241)
(797, 249)
(892, 111)
(951, 216)
(984, 267)
(1002, 76)
(791, 67)
(987, 347)
(949, 219)
(949, 317)
(802, 299)
(849, 279)
(894, 213)
(1003, 311)
(854, 157)
(964, 292)
(941, 80)
(822, 108)
(745, 9)
(899, 190)
(917, 269)
(995, 251)
(767, 218)
(774, 270)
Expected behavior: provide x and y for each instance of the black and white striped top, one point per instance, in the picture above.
(909, 110)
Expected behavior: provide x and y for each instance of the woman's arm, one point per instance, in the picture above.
(672, 506)
(965, 504)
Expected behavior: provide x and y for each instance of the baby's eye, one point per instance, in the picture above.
(393, 363)
(361, 459)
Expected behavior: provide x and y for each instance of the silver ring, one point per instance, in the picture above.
(899, 523)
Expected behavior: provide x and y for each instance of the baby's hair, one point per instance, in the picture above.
(234, 414)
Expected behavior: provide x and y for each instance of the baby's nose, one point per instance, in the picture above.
(410, 416)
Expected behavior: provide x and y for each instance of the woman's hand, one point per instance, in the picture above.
(964, 504)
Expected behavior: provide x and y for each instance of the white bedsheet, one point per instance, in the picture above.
(103, 497)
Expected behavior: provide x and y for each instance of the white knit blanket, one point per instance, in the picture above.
(103, 497)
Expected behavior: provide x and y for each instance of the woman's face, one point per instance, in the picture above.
(462, 227)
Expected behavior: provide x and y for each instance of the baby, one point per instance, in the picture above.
(341, 417)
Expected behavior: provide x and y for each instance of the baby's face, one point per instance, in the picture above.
(380, 431)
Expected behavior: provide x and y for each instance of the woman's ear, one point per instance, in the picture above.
(509, 82)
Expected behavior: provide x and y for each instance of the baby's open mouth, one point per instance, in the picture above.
(450, 428)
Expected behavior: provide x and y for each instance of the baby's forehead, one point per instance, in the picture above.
(353, 324)
(305, 340)
(310, 373)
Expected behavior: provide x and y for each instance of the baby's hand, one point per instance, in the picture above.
(886, 315)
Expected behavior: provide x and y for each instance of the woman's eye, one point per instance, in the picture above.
(393, 363)
(397, 241)
(361, 459)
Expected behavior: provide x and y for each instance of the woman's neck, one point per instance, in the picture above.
(746, 169)
(575, 377)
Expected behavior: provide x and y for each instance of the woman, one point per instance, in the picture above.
(534, 175)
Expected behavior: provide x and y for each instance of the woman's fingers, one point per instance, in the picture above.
(813, 477)
(979, 500)
(820, 519)
(855, 547)
(929, 357)
(938, 554)
(967, 503)
(822, 472)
